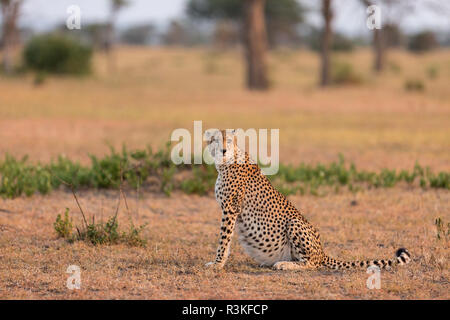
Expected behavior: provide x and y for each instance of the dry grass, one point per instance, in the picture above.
(157, 90)
(154, 91)
(182, 236)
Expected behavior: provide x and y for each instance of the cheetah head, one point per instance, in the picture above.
(222, 144)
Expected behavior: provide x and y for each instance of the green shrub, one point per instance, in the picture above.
(167, 180)
(441, 180)
(108, 233)
(394, 67)
(40, 78)
(99, 233)
(63, 226)
(414, 85)
(340, 42)
(203, 181)
(133, 236)
(422, 41)
(57, 54)
(342, 73)
(19, 177)
(432, 72)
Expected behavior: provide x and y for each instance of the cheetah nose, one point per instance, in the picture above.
(224, 151)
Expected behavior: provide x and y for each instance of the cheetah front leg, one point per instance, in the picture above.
(229, 216)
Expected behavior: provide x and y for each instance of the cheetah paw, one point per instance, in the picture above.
(214, 265)
(284, 265)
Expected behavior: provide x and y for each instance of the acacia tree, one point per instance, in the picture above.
(282, 20)
(255, 40)
(10, 14)
(327, 34)
(377, 43)
(116, 6)
(257, 19)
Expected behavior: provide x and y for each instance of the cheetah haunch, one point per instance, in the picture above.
(270, 229)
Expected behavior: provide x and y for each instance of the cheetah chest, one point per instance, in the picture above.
(261, 232)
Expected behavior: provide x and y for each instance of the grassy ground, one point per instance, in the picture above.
(182, 236)
(376, 124)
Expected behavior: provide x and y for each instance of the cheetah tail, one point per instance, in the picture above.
(402, 256)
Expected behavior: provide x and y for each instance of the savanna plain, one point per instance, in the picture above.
(150, 92)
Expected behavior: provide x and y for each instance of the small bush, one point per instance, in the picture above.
(414, 85)
(432, 72)
(133, 236)
(18, 177)
(394, 67)
(203, 181)
(57, 54)
(343, 74)
(99, 233)
(63, 226)
(342, 43)
(423, 41)
(441, 180)
(40, 78)
(108, 233)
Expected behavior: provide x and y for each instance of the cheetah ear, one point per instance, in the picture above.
(230, 132)
(210, 133)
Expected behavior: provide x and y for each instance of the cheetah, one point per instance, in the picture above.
(270, 229)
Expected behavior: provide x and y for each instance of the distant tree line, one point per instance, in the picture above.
(256, 25)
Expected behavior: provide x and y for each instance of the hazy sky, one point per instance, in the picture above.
(42, 14)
